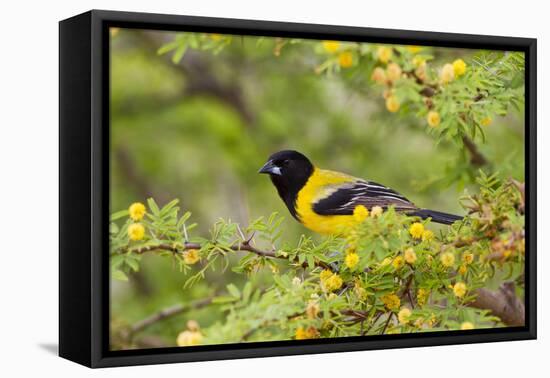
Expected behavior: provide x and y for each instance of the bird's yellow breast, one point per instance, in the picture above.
(320, 185)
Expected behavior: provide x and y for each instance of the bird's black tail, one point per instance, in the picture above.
(437, 216)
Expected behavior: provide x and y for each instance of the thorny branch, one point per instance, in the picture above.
(243, 246)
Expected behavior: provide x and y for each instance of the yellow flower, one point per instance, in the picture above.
(462, 270)
(391, 301)
(351, 260)
(376, 211)
(136, 211)
(459, 67)
(385, 262)
(410, 256)
(325, 274)
(360, 213)
(486, 121)
(398, 262)
(447, 74)
(193, 325)
(414, 49)
(468, 258)
(393, 72)
(136, 231)
(191, 256)
(334, 282)
(312, 309)
(416, 230)
(215, 36)
(303, 334)
(460, 289)
(420, 71)
(360, 291)
(189, 338)
(392, 104)
(427, 235)
(422, 296)
(378, 75)
(447, 259)
(466, 326)
(384, 54)
(404, 315)
(331, 46)
(433, 119)
(417, 61)
(345, 59)
(432, 321)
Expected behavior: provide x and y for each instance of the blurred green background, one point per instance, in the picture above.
(200, 129)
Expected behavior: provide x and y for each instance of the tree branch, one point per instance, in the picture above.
(165, 313)
(476, 157)
(502, 303)
(244, 246)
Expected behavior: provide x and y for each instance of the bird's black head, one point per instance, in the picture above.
(289, 171)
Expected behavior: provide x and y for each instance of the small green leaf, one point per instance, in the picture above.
(234, 291)
(119, 275)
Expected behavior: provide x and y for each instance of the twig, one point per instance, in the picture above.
(244, 246)
(166, 313)
(387, 323)
(476, 157)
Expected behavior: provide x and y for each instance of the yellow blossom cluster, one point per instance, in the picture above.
(351, 260)
(466, 326)
(345, 59)
(410, 256)
(376, 211)
(191, 336)
(404, 315)
(460, 289)
(447, 259)
(312, 309)
(360, 213)
(191, 256)
(330, 281)
(136, 231)
(308, 333)
(392, 104)
(391, 301)
(450, 72)
(398, 262)
(427, 235)
(416, 230)
(331, 46)
(136, 212)
(433, 119)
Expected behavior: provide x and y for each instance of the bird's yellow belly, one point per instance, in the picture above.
(319, 186)
(328, 224)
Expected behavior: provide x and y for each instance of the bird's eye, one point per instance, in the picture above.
(285, 162)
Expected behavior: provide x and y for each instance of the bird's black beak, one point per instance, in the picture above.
(270, 168)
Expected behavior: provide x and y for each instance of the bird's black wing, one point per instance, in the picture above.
(367, 193)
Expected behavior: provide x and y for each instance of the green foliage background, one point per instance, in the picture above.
(194, 116)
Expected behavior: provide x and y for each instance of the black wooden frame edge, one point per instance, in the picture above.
(91, 327)
(75, 273)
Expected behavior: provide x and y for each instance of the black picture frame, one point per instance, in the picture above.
(84, 188)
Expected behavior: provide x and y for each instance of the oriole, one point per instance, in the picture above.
(324, 200)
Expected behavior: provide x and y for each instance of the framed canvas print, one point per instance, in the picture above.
(233, 188)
